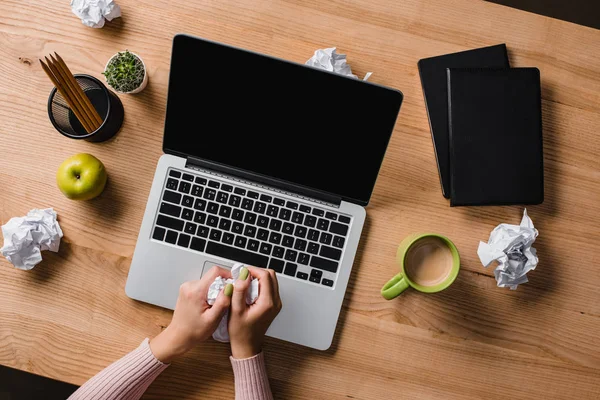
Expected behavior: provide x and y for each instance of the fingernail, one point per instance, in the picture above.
(228, 291)
(243, 273)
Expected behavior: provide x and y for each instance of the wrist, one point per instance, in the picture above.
(168, 345)
(240, 351)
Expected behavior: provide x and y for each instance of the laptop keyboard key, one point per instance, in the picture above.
(214, 184)
(200, 204)
(197, 190)
(262, 221)
(212, 208)
(330, 252)
(247, 204)
(243, 256)
(288, 228)
(338, 229)
(278, 201)
(330, 215)
(237, 228)
(209, 194)
(292, 205)
(265, 248)
(323, 224)
(187, 214)
(212, 221)
(291, 255)
(276, 265)
(239, 191)
(250, 231)
(200, 217)
(172, 183)
(272, 211)
(303, 258)
(266, 198)
(225, 224)
(170, 209)
(313, 248)
(250, 218)
(313, 235)
(188, 201)
(174, 173)
(327, 282)
(227, 188)
(198, 244)
(238, 215)
(190, 228)
(188, 177)
(288, 241)
(314, 279)
(260, 207)
(316, 273)
(169, 222)
(252, 194)
(297, 217)
(275, 225)
(300, 244)
(184, 187)
(310, 221)
(172, 197)
(234, 200)
(262, 234)
(228, 238)
(222, 197)
(184, 240)
(304, 208)
(326, 238)
(300, 231)
(225, 211)
(302, 275)
(171, 237)
(318, 213)
(285, 214)
(253, 245)
(240, 241)
(201, 181)
(215, 235)
(290, 269)
(321, 263)
(278, 251)
(344, 219)
(338, 241)
(202, 231)
(159, 233)
(275, 237)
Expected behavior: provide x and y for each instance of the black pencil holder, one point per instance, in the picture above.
(107, 104)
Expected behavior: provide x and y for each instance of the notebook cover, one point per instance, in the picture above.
(433, 80)
(495, 127)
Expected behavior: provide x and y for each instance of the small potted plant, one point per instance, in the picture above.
(126, 72)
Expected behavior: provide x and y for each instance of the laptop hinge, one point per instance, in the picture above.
(263, 181)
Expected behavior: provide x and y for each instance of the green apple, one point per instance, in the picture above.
(81, 177)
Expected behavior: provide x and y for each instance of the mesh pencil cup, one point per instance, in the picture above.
(107, 104)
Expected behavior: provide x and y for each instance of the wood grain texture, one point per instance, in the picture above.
(69, 317)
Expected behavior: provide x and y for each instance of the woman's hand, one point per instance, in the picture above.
(249, 323)
(193, 320)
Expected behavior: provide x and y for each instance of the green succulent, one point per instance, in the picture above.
(125, 72)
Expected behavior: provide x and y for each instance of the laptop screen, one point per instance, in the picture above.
(278, 119)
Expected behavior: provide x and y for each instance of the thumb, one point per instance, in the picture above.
(238, 301)
(222, 303)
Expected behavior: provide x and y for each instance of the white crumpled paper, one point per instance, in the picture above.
(26, 237)
(93, 12)
(330, 60)
(221, 334)
(510, 245)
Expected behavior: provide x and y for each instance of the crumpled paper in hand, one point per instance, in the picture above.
(26, 237)
(93, 13)
(330, 60)
(221, 334)
(510, 245)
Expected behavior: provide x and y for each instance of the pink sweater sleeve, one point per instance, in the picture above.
(251, 380)
(125, 379)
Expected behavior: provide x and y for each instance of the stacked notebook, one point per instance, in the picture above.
(486, 126)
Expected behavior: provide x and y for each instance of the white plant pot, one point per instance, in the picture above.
(144, 81)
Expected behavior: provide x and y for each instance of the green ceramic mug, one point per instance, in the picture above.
(428, 262)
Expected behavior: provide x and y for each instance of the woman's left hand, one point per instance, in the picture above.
(194, 320)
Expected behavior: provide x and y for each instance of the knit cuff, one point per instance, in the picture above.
(251, 380)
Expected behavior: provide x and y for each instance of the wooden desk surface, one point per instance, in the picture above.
(69, 317)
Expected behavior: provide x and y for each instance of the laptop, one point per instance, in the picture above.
(267, 163)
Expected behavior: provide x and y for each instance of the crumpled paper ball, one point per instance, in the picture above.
(93, 13)
(221, 334)
(330, 60)
(26, 237)
(510, 245)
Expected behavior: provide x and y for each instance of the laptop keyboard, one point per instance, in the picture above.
(251, 227)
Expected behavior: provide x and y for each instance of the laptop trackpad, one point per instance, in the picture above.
(209, 264)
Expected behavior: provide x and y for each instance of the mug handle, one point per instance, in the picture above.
(394, 287)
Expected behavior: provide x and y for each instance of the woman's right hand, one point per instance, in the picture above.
(249, 323)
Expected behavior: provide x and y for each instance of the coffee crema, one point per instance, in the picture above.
(428, 261)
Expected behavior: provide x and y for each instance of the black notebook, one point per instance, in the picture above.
(433, 79)
(495, 121)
